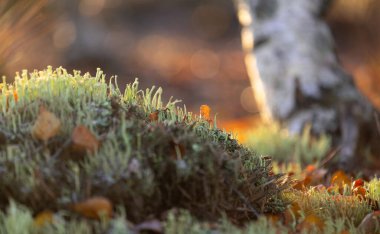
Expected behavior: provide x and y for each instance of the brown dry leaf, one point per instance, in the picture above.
(359, 191)
(310, 222)
(357, 183)
(43, 218)
(84, 140)
(46, 126)
(340, 178)
(153, 116)
(205, 112)
(94, 208)
(303, 184)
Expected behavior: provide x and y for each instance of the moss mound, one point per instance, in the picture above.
(141, 155)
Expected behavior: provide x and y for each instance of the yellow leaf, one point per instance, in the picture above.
(205, 112)
(94, 208)
(46, 126)
(43, 218)
(340, 178)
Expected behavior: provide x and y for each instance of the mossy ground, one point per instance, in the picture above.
(161, 168)
(152, 158)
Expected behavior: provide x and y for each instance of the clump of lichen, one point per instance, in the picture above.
(152, 157)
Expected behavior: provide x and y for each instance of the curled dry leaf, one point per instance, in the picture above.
(94, 208)
(84, 140)
(340, 179)
(153, 116)
(303, 184)
(46, 126)
(359, 191)
(357, 183)
(205, 112)
(43, 218)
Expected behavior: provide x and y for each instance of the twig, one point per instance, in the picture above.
(244, 199)
(330, 156)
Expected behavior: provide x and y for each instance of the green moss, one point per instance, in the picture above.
(345, 209)
(147, 167)
(283, 147)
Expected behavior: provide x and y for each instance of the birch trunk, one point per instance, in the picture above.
(296, 77)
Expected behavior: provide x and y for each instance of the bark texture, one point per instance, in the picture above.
(296, 77)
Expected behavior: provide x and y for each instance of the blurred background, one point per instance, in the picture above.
(191, 48)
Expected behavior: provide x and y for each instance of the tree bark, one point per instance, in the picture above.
(296, 77)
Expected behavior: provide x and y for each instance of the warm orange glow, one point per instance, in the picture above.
(240, 127)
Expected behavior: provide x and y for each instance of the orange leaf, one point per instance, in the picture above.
(43, 218)
(15, 95)
(359, 191)
(357, 183)
(94, 208)
(310, 168)
(84, 140)
(47, 125)
(153, 116)
(340, 178)
(302, 184)
(205, 112)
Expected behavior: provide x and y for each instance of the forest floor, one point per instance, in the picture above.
(113, 162)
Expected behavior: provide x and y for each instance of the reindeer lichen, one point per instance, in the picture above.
(144, 165)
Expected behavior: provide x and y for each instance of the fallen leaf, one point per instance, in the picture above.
(359, 191)
(318, 175)
(310, 169)
(340, 179)
(46, 126)
(303, 184)
(205, 112)
(84, 140)
(94, 208)
(357, 183)
(153, 116)
(43, 218)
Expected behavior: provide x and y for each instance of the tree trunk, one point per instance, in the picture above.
(296, 77)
